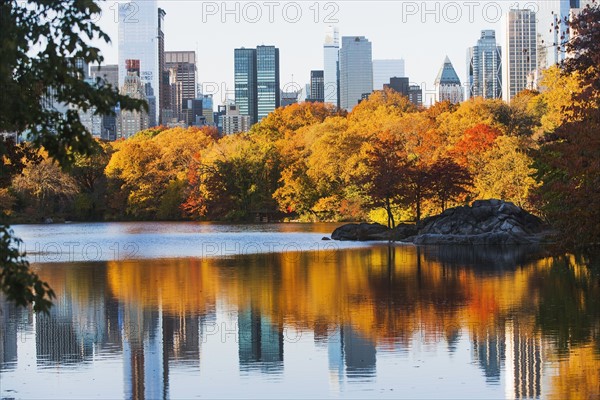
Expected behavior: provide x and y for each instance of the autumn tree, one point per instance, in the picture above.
(568, 162)
(151, 169)
(88, 173)
(386, 163)
(233, 179)
(506, 173)
(448, 181)
(45, 189)
(473, 143)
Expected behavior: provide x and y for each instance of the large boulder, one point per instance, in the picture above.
(486, 222)
(361, 232)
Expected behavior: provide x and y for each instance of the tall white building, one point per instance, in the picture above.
(331, 49)
(139, 40)
(447, 84)
(356, 70)
(383, 70)
(522, 50)
(484, 67)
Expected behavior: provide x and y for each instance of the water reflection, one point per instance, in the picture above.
(353, 319)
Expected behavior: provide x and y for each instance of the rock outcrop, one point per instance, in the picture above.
(490, 222)
(361, 232)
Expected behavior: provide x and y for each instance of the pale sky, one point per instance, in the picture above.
(420, 32)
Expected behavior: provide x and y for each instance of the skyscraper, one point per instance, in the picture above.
(181, 66)
(521, 49)
(317, 87)
(331, 49)
(110, 75)
(245, 82)
(356, 70)
(415, 95)
(257, 85)
(484, 64)
(131, 122)
(447, 84)
(140, 38)
(383, 70)
(163, 75)
(561, 35)
(267, 80)
(399, 84)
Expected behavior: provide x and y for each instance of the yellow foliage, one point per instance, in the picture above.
(506, 173)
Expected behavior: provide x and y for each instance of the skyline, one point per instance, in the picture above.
(385, 24)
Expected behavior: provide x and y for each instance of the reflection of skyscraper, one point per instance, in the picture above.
(145, 364)
(182, 338)
(359, 354)
(348, 348)
(8, 333)
(260, 342)
(523, 363)
(335, 355)
(489, 350)
(56, 338)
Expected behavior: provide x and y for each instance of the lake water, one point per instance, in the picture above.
(187, 310)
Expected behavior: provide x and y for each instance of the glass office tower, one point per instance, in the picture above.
(267, 80)
(356, 70)
(245, 82)
(521, 49)
(484, 64)
(331, 49)
(139, 40)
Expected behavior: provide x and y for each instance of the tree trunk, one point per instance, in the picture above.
(388, 207)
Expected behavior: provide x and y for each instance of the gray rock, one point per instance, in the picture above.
(361, 232)
(487, 222)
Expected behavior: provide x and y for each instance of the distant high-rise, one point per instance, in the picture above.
(356, 70)
(331, 49)
(415, 95)
(521, 49)
(288, 98)
(231, 121)
(140, 38)
(267, 80)
(484, 64)
(245, 82)
(257, 91)
(131, 122)
(447, 84)
(567, 9)
(383, 70)
(109, 75)
(163, 75)
(317, 87)
(207, 108)
(181, 66)
(399, 84)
